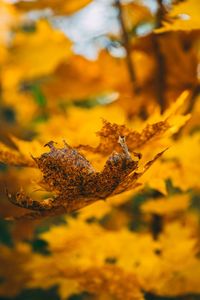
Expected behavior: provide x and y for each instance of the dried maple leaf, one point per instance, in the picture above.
(110, 133)
(74, 181)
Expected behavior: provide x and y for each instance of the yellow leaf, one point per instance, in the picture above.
(134, 13)
(180, 164)
(184, 16)
(165, 206)
(58, 6)
(35, 54)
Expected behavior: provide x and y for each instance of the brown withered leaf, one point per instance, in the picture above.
(110, 133)
(75, 183)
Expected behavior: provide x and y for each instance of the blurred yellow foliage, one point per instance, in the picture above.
(166, 206)
(58, 6)
(28, 51)
(119, 185)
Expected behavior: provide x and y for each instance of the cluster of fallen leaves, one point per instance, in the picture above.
(109, 209)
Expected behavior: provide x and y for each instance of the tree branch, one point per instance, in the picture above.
(127, 46)
(160, 72)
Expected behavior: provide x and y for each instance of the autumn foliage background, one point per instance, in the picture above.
(136, 77)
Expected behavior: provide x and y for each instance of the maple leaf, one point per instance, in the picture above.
(143, 265)
(74, 181)
(153, 130)
(177, 165)
(73, 259)
(34, 55)
(100, 77)
(110, 132)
